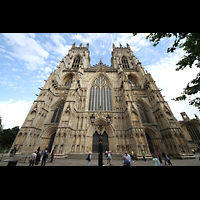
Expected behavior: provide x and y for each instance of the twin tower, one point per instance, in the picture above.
(121, 102)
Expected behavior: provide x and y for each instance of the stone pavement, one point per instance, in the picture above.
(116, 162)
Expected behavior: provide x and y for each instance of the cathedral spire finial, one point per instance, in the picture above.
(100, 62)
(73, 45)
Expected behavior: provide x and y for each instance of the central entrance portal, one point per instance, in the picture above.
(150, 144)
(95, 144)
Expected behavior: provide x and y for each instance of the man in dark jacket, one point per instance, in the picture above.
(164, 156)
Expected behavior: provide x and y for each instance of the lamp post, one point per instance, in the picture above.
(100, 127)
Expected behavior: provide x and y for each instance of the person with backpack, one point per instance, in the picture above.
(44, 159)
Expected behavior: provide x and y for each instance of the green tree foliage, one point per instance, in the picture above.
(190, 42)
(7, 136)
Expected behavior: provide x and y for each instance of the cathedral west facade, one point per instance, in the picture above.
(140, 118)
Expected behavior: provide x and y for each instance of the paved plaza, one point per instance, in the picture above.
(115, 162)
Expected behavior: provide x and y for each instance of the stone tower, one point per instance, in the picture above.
(141, 119)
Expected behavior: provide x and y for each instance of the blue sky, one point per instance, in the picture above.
(26, 59)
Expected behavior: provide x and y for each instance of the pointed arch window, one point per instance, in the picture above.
(143, 114)
(76, 62)
(57, 113)
(100, 95)
(69, 81)
(125, 62)
(193, 131)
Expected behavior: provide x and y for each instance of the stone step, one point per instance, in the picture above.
(94, 156)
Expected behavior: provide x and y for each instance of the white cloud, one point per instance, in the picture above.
(47, 70)
(14, 113)
(60, 48)
(26, 48)
(172, 82)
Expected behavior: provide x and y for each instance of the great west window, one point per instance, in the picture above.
(100, 95)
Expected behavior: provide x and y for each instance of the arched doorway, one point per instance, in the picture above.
(95, 143)
(153, 139)
(51, 142)
(150, 144)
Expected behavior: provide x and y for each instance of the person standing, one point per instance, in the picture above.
(38, 158)
(132, 155)
(109, 157)
(13, 151)
(44, 159)
(143, 154)
(126, 162)
(52, 155)
(164, 156)
(33, 158)
(89, 159)
(128, 157)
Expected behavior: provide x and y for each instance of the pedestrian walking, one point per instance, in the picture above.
(13, 151)
(143, 154)
(128, 157)
(32, 158)
(159, 157)
(156, 161)
(168, 158)
(164, 156)
(89, 159)
(109, 157)
(44, 159)
(132, 155)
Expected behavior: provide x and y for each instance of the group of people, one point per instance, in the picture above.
(36, 157)
(165, 156)
(157, 160)
(108, 154)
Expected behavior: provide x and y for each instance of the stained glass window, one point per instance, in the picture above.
(57, 113)
(143, 114)
(100, 95)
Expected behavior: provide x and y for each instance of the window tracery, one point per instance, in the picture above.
(57, 113)
(100, 95)
(125, 62)
(76, 62)
(143, 114)
(193, 131)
